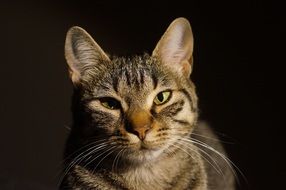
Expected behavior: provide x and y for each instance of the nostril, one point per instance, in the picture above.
(135, 133)
(128, 127)
(139, 132)
(147, 129)
(142, 132)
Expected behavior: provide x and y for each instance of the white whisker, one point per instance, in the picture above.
(83, 147)
(115, 160)
(213, 139)
(227, 160)
(112, 149)
(215, 165)
(97, 156)
(82, 156)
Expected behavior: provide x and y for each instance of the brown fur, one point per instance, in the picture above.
(121, 138)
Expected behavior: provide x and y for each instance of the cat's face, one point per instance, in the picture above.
(139, 105)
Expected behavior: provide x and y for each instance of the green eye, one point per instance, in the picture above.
(110, 103)
(162, 97)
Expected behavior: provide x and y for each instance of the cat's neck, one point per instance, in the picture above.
(162, 173)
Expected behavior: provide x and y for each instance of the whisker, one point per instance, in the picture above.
(97, 156)
(67, 127)
(115, 160)
(227, 160)
(90, 144)
(170, 151)
(229, 163)
(215, 165)
(122, 155)
(213, 139)
(72, 164)
(83, 147)
(81, 156)
(183, 150)
(112, 149)
(89, 154)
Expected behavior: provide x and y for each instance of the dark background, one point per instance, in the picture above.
(239, 59)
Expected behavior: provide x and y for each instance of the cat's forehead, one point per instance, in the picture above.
(137, 75)
(133, 77)
(133, 64)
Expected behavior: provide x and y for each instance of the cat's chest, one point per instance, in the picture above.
(142, 178)
(148, 178)
(162, 175)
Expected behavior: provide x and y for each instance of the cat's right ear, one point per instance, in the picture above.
(81, 51)
(175, 48)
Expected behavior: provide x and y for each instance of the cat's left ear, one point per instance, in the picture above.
(81, 52)
(175, 48)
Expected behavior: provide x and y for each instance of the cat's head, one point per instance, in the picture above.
(140, 105)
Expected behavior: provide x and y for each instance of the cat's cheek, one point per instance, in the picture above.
(186, 116)
(152, 135)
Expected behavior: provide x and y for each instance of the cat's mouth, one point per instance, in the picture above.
(145, 147)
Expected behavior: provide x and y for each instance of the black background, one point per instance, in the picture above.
(238, 70)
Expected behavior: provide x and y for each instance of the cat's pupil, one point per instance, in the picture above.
(160, 97)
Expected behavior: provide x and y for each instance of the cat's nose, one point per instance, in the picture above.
(141, 132)
(139, 123)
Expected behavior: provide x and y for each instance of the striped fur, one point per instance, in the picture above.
(138, 145)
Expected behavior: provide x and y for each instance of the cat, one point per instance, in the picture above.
(135, 119)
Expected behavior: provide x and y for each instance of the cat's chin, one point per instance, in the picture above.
(145, 156)
(144, 153)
